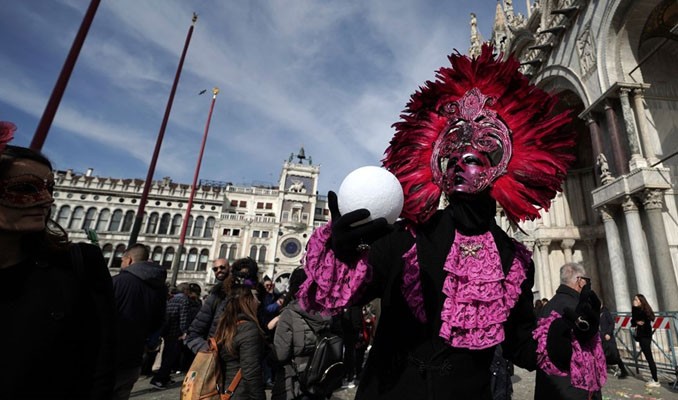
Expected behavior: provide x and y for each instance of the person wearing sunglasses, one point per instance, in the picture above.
(572, 315)
(204, 324)
(57, 305)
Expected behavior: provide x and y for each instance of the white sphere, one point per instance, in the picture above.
(373, 188)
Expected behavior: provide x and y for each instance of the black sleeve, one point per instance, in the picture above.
(196, 339)
(251, 353)
(98, 279)
(519, 346)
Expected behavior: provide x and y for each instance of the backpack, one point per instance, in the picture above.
(204, 379)
(324, 369)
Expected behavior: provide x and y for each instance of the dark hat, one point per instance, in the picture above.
(297, 278)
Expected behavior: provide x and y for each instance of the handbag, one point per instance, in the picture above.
(636, 331)
(204, 378)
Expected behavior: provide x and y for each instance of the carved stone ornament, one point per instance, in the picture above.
(629, 205)
(587, 51)
(653, 199)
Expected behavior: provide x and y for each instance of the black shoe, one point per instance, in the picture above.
(158, 384)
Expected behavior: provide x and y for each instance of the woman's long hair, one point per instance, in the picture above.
(239, 302)
(53, 238)
(645, 307)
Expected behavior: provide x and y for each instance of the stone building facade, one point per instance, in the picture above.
(613, 65)
(270, 224)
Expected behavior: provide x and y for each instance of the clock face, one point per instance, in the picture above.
(290, 247)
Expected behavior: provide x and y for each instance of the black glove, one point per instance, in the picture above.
(585, 319)
(349, 241)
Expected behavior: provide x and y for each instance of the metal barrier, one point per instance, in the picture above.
(664, 343)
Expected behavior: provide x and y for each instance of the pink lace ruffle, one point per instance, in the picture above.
(540, 334)
(331, 285)
(479, 297)
(411, 286)
(588, 370)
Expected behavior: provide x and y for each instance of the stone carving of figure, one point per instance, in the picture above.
(605, 174)
(297, 187)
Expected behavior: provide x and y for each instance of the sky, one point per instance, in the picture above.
(331, 76)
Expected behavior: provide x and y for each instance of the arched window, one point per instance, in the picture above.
(76, 220)
(189, 226)
(128, 222)
(262, 255)
(222, 250)
(209, 227)
(253, 252)
(176, 225)
(169, 257)
(107, 252)
(117, 256)
(197, 229)
(164, 224)
(157, 254)
(182, 259)
(102, 222)
(89, 218)
(116, 220)
(233, 253)
(64, 214)
(192, 260)
(203, 260)
(152, 223)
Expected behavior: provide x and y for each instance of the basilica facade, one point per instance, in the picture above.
(613, 65)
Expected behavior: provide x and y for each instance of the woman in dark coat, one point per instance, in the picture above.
(642, 317)
(56, 305)
(453, 285)
(294, 338)
(241, 344)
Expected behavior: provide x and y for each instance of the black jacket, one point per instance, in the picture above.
(204, 324)
(644, 330)
(606, 323)
(57, 339)
(549, 387)
(408, 359)
(249, 347)
(140, 297)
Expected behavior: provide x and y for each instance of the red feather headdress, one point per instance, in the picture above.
(541, 143)
(6, 133)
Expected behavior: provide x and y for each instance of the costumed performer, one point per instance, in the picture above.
(453, 285)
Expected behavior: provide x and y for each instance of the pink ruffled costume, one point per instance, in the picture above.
(445, 306)
(479, 296)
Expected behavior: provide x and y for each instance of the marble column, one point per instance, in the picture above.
(529, 243)
(596, 142)
(566, 245)
(643, 132)
(620, 159)
(639, 253)
(545, 267)
(637, 160)
(653, 201)
(617, 263)
(592, 266)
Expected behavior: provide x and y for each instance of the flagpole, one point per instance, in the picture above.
(61, 83)
(189, 206)
(151, 168)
